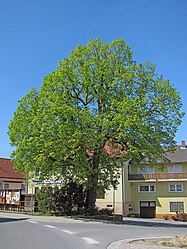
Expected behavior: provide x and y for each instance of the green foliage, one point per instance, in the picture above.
(67, 200)
(45, 200)
(98, 95)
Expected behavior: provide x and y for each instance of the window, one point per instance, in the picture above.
(146, 188)
(144, 204)
(177, 206)
(152, 188)
(146, 170)
(13, 197)
(174, 168)
(6, 185)
(147, 204)
(175, 187)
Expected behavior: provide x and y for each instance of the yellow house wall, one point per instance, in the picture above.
(132, 197)
(109, 198)
(162, 196)
(123, 195)
(138, 196)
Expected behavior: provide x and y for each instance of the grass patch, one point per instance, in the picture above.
(168, 244)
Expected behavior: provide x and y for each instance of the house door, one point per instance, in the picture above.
(147, 209)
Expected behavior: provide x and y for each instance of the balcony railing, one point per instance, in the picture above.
(157, 176)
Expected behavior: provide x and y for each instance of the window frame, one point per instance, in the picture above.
(149, 188)
(150, 170)
(173, 168)
(176, 203)
(175, 184)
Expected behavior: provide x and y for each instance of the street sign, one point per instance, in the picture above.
(32, 185)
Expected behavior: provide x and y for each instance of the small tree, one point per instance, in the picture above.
(58, 200)
(45, 200)
(98, 105)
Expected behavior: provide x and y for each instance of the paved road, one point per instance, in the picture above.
(34, 232)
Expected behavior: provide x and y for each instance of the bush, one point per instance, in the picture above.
(180, 217)
(45, 202)
(70, 199)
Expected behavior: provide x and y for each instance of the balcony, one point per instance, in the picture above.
(157, 176)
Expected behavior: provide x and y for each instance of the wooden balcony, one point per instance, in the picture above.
(157, 176)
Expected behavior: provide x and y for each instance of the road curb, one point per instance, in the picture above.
(117, 244)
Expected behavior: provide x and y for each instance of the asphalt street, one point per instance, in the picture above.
(40, 232)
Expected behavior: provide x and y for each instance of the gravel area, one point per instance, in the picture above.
(175, 242)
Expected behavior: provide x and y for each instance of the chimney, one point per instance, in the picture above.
(183, 144)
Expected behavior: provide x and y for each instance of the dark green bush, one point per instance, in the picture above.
(70, 199)
(44, 199)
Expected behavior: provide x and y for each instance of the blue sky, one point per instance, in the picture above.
(35, 34)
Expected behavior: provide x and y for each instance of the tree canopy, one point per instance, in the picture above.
(99, 109)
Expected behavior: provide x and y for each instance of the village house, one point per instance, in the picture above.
(147, 191)
(150, 191)
(12, 186)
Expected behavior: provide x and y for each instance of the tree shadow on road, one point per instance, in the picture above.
(153, 224)
(3, 220)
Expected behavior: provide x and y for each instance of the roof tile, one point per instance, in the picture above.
(8, 172)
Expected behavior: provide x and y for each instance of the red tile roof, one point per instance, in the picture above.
(8, 173)
(111, 149)
(114, 149)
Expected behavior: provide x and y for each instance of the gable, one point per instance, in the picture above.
(8, 173)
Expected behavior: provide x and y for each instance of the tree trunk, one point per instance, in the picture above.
(91, 198)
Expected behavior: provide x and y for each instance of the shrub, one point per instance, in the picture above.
(67, 200)
(180, 217)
